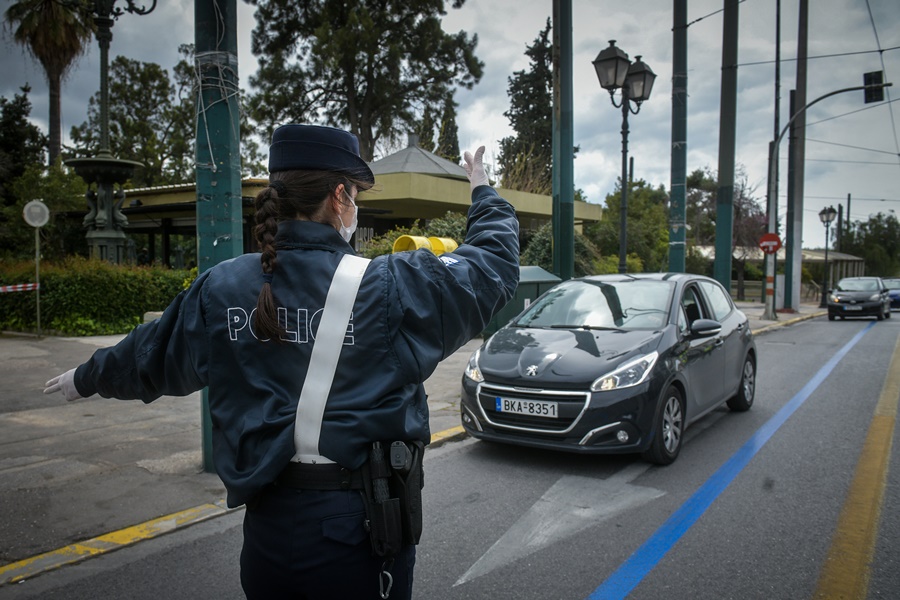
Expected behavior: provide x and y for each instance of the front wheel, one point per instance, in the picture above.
(668, 429)
(743, 400)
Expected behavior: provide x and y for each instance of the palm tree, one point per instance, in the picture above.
(55, 33)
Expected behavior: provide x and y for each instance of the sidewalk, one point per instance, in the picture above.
(82, 478)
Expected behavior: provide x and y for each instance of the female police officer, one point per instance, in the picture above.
(246, 329)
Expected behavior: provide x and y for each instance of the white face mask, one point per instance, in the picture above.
(348, 231)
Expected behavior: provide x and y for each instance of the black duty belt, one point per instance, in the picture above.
(303, 476)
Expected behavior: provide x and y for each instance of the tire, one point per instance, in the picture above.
(668, 429)
(887, 313)
(743, 400)
(831, 316)
(880, 316)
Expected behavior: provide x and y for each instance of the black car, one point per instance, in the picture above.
(612, 364)
(859, 297)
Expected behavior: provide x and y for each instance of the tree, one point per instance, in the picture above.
(539, 252)
(526, 159)
(21, 142)
(55, 34)
(448, 136)
(646, 226)
(877, 241)
(700, 207)
(424, 129)
(750, 223)
(749, 218)
(356, 64)
(151, 120)
(62, 191)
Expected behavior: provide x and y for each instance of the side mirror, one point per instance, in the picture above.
(705, 328)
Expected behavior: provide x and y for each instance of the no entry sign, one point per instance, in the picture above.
(770, 243)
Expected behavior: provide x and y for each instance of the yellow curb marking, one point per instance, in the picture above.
(80, 551)
(441, 436)
(846, 571)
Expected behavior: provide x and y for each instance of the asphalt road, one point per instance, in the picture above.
(752, 508)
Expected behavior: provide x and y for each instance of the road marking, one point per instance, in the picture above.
(571, 505)
(645, 558)
(847, 567)
(73, 553)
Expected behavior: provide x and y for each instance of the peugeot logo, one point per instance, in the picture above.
(532, 371)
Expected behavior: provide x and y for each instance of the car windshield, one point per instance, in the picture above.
(892, 284)
(857, 285)
(587, 304)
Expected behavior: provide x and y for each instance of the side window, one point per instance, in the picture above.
(690, 305)
(718, 299)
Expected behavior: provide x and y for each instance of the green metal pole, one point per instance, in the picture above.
(555, 145)
(678, 177)
(727, 121)
(219, 216)
(566, 159)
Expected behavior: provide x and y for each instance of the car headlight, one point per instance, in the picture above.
(472, 370)
(630, 374)
(874, 297)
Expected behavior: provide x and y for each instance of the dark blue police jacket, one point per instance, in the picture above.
(413, 310)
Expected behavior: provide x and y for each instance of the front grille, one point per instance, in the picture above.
(571, 405)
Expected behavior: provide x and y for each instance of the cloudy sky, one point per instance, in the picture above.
(852, 148)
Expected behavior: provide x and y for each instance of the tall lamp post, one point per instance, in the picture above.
(826, 215)
(616, 72)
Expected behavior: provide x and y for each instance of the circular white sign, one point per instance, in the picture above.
(36, 213)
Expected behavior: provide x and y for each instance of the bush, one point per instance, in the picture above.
(86, 297)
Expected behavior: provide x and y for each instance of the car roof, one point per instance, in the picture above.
(676, 277)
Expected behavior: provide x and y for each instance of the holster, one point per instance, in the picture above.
(407, 487)
(393, 499)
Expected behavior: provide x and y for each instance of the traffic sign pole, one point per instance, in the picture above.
(770, 243)
(37, 214)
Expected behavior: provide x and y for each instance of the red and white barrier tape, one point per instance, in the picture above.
(19, 287)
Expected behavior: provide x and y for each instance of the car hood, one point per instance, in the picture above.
(564, 357)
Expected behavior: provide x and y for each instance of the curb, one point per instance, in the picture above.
(18, 572)
(777, 324)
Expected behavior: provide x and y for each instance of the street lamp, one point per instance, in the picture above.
(615, 71)
(826, 215)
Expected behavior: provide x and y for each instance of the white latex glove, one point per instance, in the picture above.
(475, 168)
(64, 383)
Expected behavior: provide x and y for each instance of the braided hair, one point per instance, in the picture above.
(289, 195)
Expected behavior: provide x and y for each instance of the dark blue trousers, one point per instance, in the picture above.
(312, 545)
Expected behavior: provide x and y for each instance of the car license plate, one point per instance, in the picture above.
(535, 408)
(853, 308)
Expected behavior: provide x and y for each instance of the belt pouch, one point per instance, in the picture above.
(382, 513)
(385, 527)
(407, 487)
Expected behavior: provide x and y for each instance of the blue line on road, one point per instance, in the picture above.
(645, 558)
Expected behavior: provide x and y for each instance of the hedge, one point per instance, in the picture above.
(86, 297)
